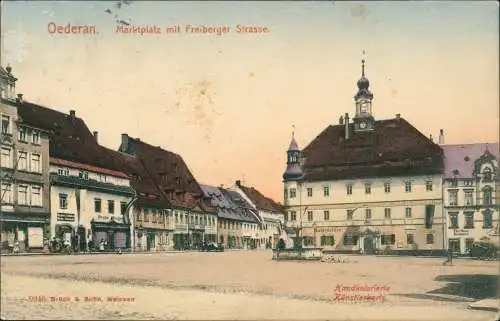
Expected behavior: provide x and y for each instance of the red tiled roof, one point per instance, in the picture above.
(170, 175)
(90, 168)
(394, 148)
(260, 201)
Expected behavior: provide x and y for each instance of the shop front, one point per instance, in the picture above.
(22, 233)
(111, 234)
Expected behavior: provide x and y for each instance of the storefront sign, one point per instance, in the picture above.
(328, 229)
(118, 219)
(102, 218)
(66, 217)
(462, 232)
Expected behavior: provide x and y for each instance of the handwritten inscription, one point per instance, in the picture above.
(361, 293)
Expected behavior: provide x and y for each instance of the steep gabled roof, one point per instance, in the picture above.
(395, 147)
(170, 175)
(262, 202)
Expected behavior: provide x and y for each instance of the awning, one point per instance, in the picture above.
(110, 226)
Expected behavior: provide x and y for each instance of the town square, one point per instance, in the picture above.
(327, 160)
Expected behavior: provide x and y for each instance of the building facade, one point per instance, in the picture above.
(270, 215)
(89, 203)
(366, 185)
(24, 175)
(171, 211)
(236, 224)
(471, 187)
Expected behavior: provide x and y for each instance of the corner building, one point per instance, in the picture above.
(366, 185)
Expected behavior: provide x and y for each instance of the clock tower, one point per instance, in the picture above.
(363, 120)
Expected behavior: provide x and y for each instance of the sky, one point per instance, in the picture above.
(227, 104)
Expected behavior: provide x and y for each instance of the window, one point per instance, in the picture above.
(309, 192)
(349, 214)
(388, 239)
(6, 196)
(293, 192)
(286, 193)
(308, 240)
(36, 165)
(293, 216)
(350, 240)
(454, 245)
(309, 216)
(368, 214)
(408, 186)
(123, 207)
(326, 191)
(326, 215)
(468, 182)
(5, 124)
(487, 199)
(83, 175)
(487, 175)
(111, 207)
(410, 239)
(468, 197)
(469, 242)
(454, 220)
(429, 215)
(36, 195)
(430, 239)
(469, 220)
(387, 213)
(22, 193)
(286, 216)
(22, 164)
(23, 134)
(63, 201)
(6, 160)
(487, 219)
(428, 186)
(387, 187)
(453, 183)
(327, 240)
(349, 189)
(35, 137)
(453, 198)
(408, 212)
(97, 205)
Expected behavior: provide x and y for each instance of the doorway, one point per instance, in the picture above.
(368, 246)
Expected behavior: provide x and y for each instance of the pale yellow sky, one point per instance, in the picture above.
(227, 104)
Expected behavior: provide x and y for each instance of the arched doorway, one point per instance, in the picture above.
(368, 244)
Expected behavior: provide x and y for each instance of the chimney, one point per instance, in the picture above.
(431, 138)
(238, 183)
(95, 136)
(346, 121)
(398, 116)
(441, 137)
(72, 113)
(124, 146)
(341, 120)
(19, 98)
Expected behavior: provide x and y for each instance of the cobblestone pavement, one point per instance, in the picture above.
(242, 285)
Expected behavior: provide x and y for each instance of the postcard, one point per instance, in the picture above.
(249, 160)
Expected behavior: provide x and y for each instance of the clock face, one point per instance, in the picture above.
(363, 108)
(362, 125)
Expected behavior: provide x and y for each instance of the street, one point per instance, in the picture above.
(242, 285)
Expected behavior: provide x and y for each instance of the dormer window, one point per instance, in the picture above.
(83, 175)
(23, 134)
(487, 175)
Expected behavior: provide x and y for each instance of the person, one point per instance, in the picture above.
(450, 257)
(101, 245)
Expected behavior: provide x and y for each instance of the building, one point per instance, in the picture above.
(90, 203)
(366, 185)
(79, 168)
(271, 215)
(471, 184)
(172, 212)
(236, 223)
(24, 174)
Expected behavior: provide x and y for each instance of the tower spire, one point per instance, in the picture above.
(293, 131)
(363, 65)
